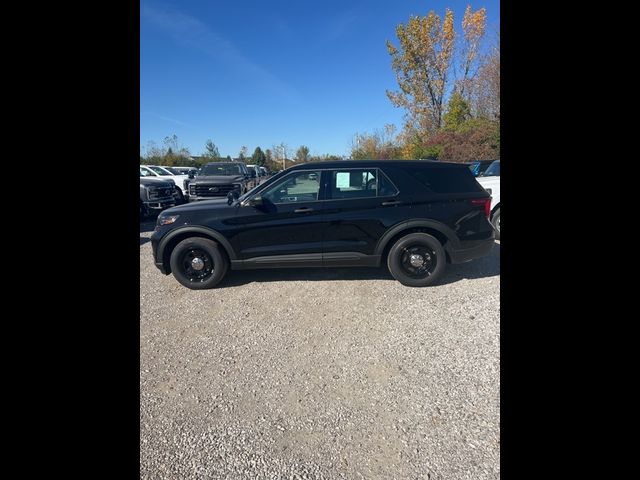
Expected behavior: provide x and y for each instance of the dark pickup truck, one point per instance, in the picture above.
(155, 195)
(217, 179)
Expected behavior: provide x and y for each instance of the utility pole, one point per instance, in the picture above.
(284, 157)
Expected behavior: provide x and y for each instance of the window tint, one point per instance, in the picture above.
(359, 183)
(295, 188)
(146, 173)
(385, 187)
(493, 170)
(444, 180)
(223, 169)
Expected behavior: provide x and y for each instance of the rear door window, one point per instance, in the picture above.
(359, 183)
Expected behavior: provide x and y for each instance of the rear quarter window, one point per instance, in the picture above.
(445, 180)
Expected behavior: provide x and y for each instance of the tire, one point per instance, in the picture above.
(213, 266)
(427, 249)
(495, 221)
(180, 196)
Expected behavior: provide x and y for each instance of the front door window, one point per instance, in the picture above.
(298, 187)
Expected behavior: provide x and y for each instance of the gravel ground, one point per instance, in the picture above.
(320, 373)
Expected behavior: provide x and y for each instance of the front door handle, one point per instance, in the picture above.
(303, 210)
(393, 202)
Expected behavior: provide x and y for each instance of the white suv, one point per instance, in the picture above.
(490, 181)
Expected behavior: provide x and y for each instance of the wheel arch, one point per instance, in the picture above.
(440, 231)
(168, 243)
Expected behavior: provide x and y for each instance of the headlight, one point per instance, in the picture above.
(167, 220)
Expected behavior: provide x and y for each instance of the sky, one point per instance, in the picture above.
(261, 73)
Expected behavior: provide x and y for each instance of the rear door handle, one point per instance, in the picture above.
(303, 210)
(393, 202)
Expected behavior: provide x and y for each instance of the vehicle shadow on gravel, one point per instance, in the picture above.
(488, 266)
(147, 225)
(484, 267)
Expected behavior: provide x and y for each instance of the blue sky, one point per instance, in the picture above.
(258, 73)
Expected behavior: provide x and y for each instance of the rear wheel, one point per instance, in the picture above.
(197, 263)
(417, 260)
(495, 221)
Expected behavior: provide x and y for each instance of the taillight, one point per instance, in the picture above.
(483, 201)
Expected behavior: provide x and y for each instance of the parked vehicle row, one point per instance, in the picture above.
(155, 171)
(414, 216)
(235, 174)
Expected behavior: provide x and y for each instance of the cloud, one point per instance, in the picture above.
(173, 120)
(166, 119)
(340, 24)
(191, 32)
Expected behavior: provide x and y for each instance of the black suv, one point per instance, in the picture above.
(416, 216)
(217, 179)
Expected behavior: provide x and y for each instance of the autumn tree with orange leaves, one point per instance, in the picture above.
(434, 66)
(422, 63)
(473, 27)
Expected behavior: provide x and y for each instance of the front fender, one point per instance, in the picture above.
(200, 231)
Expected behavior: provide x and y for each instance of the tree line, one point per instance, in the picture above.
(276, 158)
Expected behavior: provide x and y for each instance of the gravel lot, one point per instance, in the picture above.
(314, 373)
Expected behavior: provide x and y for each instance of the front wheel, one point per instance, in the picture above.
(495, 221)
(179, 196)
(417, 260)
(198, 264)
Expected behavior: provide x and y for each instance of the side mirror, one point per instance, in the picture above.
(192, 175)
(256, 201)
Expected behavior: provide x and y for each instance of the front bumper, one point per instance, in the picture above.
(161, 204)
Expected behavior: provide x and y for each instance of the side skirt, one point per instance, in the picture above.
(305, 260)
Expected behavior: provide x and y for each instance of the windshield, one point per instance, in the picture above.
(221, 169)
(493, 170)
(160, 171)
